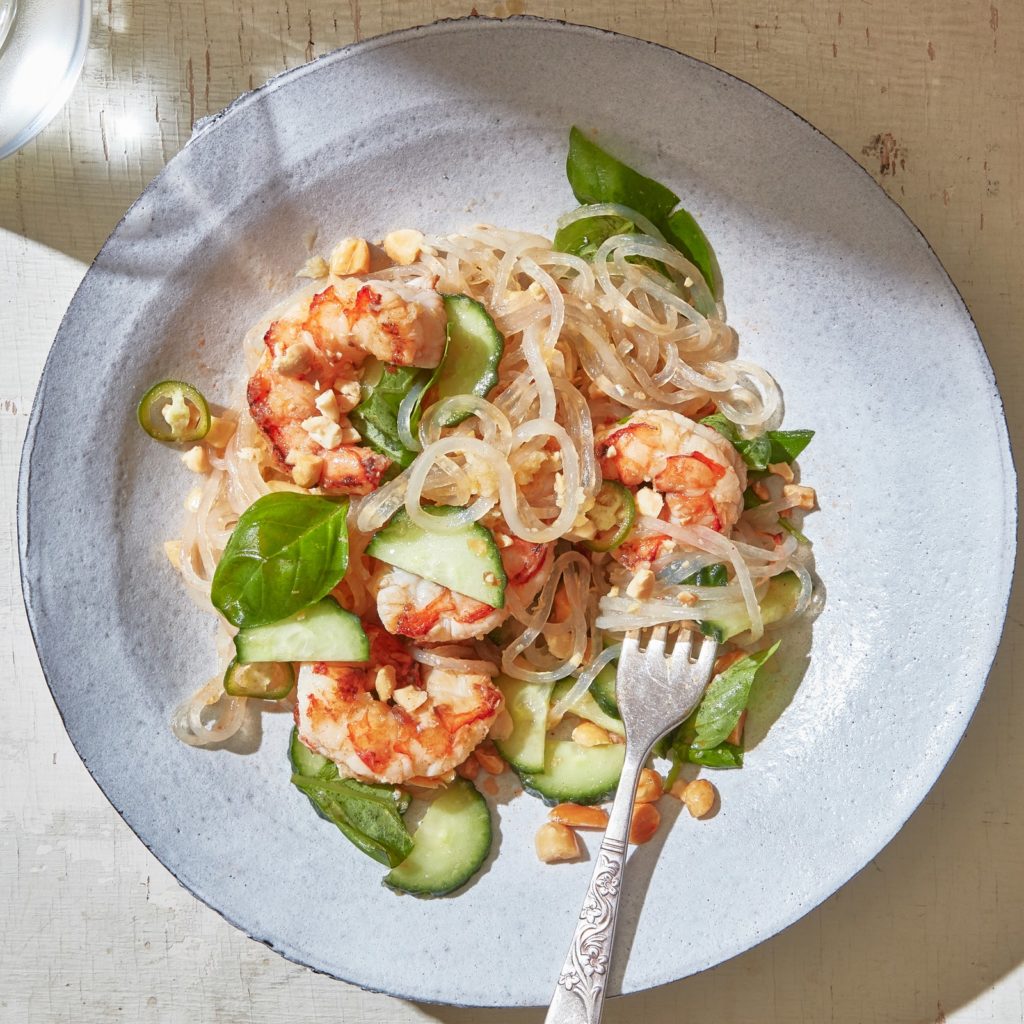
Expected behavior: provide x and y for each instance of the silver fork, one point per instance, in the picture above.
(655, 693)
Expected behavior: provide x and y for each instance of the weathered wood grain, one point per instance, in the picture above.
(927, 96)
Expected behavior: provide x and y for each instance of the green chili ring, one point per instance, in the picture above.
(264, 680)
(614, 514)
(167, 392)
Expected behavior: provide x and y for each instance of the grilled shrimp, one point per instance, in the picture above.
(393, 720)
(693, 476)
(409, 605)
(308, 377)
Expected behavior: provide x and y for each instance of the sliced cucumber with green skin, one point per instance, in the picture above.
(305, 761)
(587, 707)
(471, 356)
(467, 561)
(263, 680)
(450, 845)
(778, 602)
(528, 705)
(580, 775)
(322, 632)
(602, 689)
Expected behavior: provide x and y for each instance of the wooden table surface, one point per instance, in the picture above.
(927, 95)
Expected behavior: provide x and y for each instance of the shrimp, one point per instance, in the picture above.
(393, 720)
(411, 606)
(695, 476)
(318, 349)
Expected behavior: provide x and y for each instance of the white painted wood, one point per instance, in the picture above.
(927, 97)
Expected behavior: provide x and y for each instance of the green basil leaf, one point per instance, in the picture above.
(716, 575)
(788, 444)
(682, 749)
(597, 177)
(287, 552)
(726, 697)
(376, 416)
(584, 237)
(725, 755)
(756, 453)
(367, 818)
(686, 235)
(724, 425)
(750, 499)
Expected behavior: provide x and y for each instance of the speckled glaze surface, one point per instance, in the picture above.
(828, 284)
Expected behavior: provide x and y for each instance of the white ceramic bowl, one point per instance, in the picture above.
(829, 285)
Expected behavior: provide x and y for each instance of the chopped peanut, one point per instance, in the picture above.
(350, 256)
(490, 760)
(503, 540)
(649, 502)
(586, 734)
(349, 395)
(409, 697)
(556, 842)
(349, 435)
(641, 585)
(327, 403)
(325, 432)
(560, 645)
(384, 681)
(723, 661)
(404, 246)
(802, 497)
(650, 787)
(578, 816)
(470, 768)
(315, 267)
(196, 459)
(307, 469)
(644, 823)
(760, 490)
(783, 469)
(688, 599)
(172, 549)
(699, 797)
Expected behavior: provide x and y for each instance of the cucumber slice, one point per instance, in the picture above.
(264, 680)
(451, 843)
(467, 561)
(587, 707)
(471, 355)
(778, 602)
(602, 689)
(582, 775)
(305, 761)
(322, 632)
(528, 704)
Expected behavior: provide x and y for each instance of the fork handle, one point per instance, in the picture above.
(579, 995)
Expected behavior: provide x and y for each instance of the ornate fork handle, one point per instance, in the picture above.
(579, 997)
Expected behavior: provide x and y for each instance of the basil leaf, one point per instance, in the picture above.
(716, 575)
(682, 749)
(725, 755)
(584, 237)
(376, 416)
(788, 444)
(686, 235)
(724, 425)
(286, 552)
(597, 177)
(366, 815)
(726, 697)
(765, 449)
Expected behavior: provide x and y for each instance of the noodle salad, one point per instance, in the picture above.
(459, 470)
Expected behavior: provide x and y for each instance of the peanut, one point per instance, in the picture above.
(644, 823)
(556, 842)
(490, 760)
(579, 816)
(699, 797)
(350, 256)
(650, 787)
(404, 246)
(587, 734)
